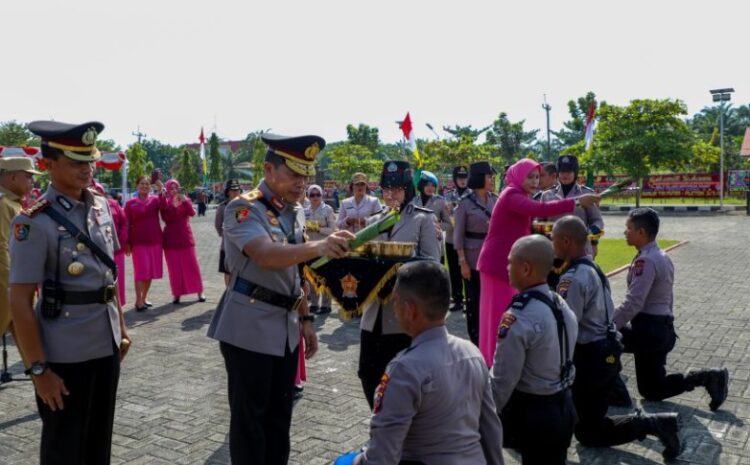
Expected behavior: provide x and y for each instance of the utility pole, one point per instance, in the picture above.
(547, 108)
(139, 134)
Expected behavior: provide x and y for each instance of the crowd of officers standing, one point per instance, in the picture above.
(434, 399)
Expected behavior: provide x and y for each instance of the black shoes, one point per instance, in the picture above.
(456, 308)
(141, 309)
(201, 298)
(716, 382)
(314, 309)
(324, 310)
(148, 304)
(665, 426)
(176, 301)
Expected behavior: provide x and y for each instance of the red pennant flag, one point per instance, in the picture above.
(406, 126)
(202, 138)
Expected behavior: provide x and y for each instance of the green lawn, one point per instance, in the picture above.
(614, 253)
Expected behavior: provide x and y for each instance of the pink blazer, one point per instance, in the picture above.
(177, 231)
(121, 223)
(143, 221)
(510, 221)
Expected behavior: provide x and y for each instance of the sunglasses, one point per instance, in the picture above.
(314, 195)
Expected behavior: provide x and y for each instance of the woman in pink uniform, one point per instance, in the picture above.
(144, 240)
(511, 220)
(179, 244)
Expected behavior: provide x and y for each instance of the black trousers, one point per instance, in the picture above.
(454, 270)
(201, 209)
(539, 427)
(650, 338)
(473, 290)
(81, 433)
(376, 350)
(597, 370)
(260, 401)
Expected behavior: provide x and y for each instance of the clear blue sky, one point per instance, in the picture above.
(315, 66)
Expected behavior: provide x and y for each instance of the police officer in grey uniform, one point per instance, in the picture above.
(75, 336)
(381, 336)
(568, 188)
(259, 316)
(460, 179)
(586, 290)
(472, 219)
(533, 367)
(434, 403)
(428, 198)
(647, 322)
(356, 210)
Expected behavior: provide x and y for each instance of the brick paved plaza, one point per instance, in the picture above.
(172, 406)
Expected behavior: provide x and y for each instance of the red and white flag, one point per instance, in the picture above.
(408, 131)
(590, 123)
(202, 140)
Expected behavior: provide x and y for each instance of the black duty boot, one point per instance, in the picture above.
(665, 426)
(716, 382)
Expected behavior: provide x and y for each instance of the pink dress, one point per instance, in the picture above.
(121, 228)
(511, 220)
(144, 237)
(179, 245)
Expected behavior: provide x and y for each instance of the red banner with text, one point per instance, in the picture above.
(703, 185)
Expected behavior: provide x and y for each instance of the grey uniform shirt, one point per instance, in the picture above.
(451, 203)
(591, 216)
(325, 217)
(472, 218)
(366, 208)
(434, 405)
(650, 281)
(219, 221)
(416, 225)
(39, 245)
(439, 208)
(589, 299)
(249, 323)
(527, 355)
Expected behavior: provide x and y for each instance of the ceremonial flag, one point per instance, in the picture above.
(202, 140)
(589, 138)
(407, 129)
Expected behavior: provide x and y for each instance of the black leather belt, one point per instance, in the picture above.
(102, 295)
(263, 294)
(475, 235)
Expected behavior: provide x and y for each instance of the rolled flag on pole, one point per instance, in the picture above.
(408, 130)
(590, 123)
(202, 140)
(111, 161)
(35, 153)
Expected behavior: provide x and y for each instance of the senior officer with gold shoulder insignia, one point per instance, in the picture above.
(76, 337)
(258, 319)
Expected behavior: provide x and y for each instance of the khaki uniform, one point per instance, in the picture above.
(10, 206)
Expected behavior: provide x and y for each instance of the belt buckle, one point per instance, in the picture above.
(109, 294)
(298, 302)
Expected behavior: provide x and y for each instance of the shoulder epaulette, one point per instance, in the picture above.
(252, 195)
(465, 194)
(421, 209)
(38, 207)
(586, 188)
(520, 300)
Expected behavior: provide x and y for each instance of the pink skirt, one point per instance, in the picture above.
(147, 262)
(120, 262)
(184, 271)
(493, 301)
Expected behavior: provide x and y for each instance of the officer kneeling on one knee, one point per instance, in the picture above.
(260, 314)
(533, 367)
(434, 403)
(586, 290)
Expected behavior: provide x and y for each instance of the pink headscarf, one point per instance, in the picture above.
(517, 173)
(168, 186)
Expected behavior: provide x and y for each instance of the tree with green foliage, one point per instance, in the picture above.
(346, 159)
(363, 135)
(14, 134)
(137, 165)
(644, 136)
(214, 159)
(467, 133)
(162, 156)
(513, 141)
(187, 175)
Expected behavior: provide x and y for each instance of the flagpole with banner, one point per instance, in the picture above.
(589, 137)
(408, 130)
(202, 140)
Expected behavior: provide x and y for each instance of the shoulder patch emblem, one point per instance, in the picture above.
(272, 218)
(638, 267)
(379, 393)
(38, 207)
(241, 214)
(21, 231)
(505, 324)
(563, 286)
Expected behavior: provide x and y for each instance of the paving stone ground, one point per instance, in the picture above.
(172, 406)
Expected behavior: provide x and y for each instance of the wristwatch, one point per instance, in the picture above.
(310, 318)
(36, 369)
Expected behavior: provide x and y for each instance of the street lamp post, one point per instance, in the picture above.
(721, 95)
(546, 107)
